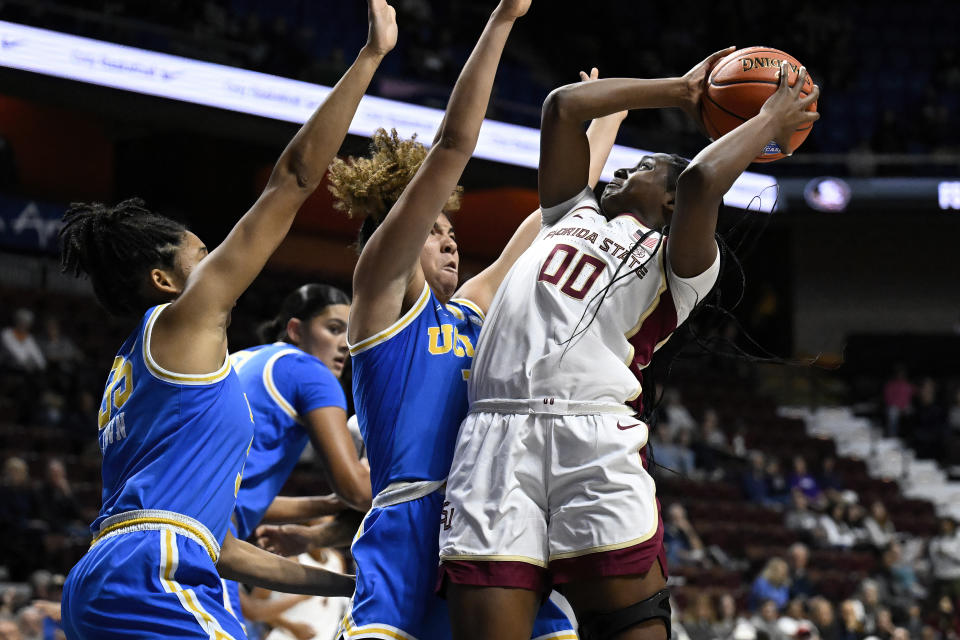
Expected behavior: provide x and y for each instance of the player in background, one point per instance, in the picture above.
(549, 482)
(175, 425)
(292, 383)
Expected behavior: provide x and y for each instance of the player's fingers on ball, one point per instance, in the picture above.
(584, 77)
(810, 99)
(801, 80)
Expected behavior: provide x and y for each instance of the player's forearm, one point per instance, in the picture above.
(463, 118)
(713, 171)
(305, 160)
(290, 509)
(584, 101)
(246, 563)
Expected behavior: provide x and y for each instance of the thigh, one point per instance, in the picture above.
(495, 511)
(491, 613)
(396, 558)
(151, 584)
(590, 598)
(604, 514)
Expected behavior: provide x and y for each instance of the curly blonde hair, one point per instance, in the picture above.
(369, 187)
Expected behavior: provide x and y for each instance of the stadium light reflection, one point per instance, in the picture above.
(126, 68)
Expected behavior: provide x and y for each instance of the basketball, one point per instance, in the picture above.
(740, 84)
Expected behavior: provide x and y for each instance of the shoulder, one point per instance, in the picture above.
(425, 301)
(585, 201)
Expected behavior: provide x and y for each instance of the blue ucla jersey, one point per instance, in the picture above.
(171, 441)
(283, 385)
(410, 389)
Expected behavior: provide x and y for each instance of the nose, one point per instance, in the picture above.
(621, 174)
(449, 245)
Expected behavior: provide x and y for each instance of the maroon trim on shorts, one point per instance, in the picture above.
(634, 560)
(480, 573)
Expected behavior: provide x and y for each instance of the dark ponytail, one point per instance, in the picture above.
(308, 301)
(117, 247)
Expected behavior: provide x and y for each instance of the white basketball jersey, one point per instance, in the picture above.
(540, 338)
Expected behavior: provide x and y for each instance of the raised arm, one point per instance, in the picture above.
(700, 188)
(388, 278)
(564, 150)
(601, 135)
(246, 563)
(203, 309)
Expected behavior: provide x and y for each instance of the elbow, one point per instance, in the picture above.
(294, 171)
(559, 104)
(453, 140)
(696, 180)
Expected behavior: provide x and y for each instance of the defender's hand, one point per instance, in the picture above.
(382, 35)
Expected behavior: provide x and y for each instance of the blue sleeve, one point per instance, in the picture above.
(307, 384)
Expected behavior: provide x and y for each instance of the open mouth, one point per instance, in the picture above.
(339, 361)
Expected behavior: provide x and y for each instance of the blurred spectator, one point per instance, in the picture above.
(676, 456)
(947, 619)
(683, 545)
(701, 623)
(798, 557)
(755, 480)
(57, 348)
(879, 527)
(799, 516)
(772, 584)
(885, 628)
(20, 345)
(829, 480)
(945, 560)
(928, 424)
(897, 399)
(777, 486)
(676, 416)
(851, 623)
(897, 580)
(18, 504)
(801, 479)
(58, 506)
(726, 621)
(765, 620)
(870, 603)
(710, 444)
(836, 532)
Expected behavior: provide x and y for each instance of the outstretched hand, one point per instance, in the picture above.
(514, 8)
(382, 35)
(789, 108)
(696, 82)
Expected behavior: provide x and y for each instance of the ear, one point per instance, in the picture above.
(669, 200)
(164, 283)
(295, 330)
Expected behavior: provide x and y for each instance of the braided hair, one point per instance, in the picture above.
(305, 303)
(117, 247)
(369, 187)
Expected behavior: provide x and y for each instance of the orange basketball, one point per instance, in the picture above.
(740, 84)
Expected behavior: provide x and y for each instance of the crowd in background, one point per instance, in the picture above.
(902, 56)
